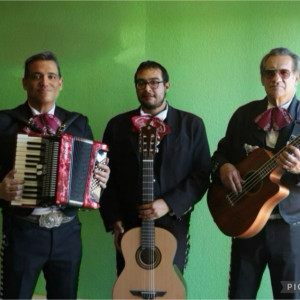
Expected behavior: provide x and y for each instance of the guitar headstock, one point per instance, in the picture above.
(148, 141)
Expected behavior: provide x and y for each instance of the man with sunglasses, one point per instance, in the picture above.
(181, 165)
(269, 123)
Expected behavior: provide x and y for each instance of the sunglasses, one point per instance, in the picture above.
(283, 73)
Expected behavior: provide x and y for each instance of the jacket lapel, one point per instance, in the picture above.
(259, 134)
(24, 110)
(168, 142)
(60, 113)
(134, 136)
(286, 132)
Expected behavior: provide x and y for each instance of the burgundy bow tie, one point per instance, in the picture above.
(141, 121)
(273, 118)
(43, 124)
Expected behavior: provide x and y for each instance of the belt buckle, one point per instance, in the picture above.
(51, 220)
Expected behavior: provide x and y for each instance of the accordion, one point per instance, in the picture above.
(58, 170)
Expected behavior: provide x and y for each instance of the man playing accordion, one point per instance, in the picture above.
(40, 238)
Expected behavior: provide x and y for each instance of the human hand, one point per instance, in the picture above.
(101, 173)
(231, 178)
(11, 189)
(118, 231)
(153, 210)
(290, 160)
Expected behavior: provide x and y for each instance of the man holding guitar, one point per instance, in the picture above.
(270, 124)
(181, 166)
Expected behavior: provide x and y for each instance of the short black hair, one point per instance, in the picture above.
(149, 64)
(46, 55)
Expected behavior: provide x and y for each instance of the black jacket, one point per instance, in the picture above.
(183, 172)
(242, 130)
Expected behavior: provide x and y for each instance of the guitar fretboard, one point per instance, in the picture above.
(148, 232)
(260, 174)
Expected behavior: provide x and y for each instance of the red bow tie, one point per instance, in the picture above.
(43, 124)
(141, 121)
(274, 118)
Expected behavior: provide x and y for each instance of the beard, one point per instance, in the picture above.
(149, 105)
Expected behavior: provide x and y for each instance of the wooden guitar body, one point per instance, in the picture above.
(245, 216)
(149, 275)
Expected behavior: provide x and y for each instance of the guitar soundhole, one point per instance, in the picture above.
(252, 186)
(148, 258)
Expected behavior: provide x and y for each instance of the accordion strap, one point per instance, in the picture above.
(71, 117)
(17, 116)
(67, 122)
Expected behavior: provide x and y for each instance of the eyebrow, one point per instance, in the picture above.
(49, 73)
(276, 69)
(152, 78)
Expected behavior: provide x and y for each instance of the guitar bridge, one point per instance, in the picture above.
(147, 294)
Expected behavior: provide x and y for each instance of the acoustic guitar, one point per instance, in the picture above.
(243, 215)
(148, 250)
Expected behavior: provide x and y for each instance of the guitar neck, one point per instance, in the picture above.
(148, 231)
(148, 235)
(148, 179)
(271, 164)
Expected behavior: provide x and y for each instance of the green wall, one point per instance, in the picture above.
(212, 51)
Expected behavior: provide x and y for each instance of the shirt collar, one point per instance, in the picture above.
(161, 115)
(36, 112)
(285, 105)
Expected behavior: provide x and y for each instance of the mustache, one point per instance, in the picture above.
(145, 94)
(276, 85)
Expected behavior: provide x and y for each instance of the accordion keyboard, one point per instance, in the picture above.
(36, 164)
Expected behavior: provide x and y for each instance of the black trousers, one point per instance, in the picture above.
(28, 249)
(276, 246)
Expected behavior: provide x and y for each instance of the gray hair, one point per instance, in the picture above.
(280, 51)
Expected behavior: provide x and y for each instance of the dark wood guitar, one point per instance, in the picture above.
(245, 214)
(148, 250)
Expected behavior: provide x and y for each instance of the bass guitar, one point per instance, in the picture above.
(243, 215)
(148, 250)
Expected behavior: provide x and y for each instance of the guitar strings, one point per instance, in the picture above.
(259, 175)
(148, 243)
(252, 181)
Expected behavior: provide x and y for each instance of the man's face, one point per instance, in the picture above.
(152, 99)
(42, 84)
(279, 80)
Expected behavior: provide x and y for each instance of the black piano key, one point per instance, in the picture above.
(30, 166)
(35, 143)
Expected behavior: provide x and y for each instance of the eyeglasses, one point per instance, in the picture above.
(283, 73)
(141, 84)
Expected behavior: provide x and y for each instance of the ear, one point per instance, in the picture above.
(24, 83)
(61, 80)
(167, 86)
(296, 78)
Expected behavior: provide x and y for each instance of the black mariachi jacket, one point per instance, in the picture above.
(183, 174)
(243, 131)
